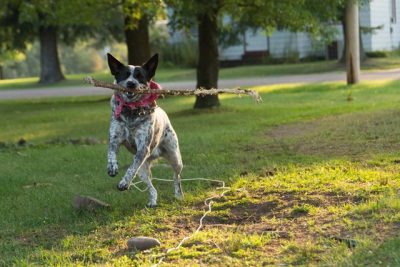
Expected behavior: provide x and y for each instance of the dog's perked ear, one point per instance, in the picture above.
(150, 67)
(114, 65)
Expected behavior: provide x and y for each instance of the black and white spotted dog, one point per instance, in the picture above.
(142, 127)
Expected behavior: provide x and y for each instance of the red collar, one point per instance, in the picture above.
(147, 100)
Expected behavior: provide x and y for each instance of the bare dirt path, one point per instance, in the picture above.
(228, 83)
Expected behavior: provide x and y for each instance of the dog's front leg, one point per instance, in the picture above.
(143, 138)
(117, 135)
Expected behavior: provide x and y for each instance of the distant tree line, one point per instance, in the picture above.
(53, 21)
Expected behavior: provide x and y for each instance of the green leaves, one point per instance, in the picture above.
(294, 15)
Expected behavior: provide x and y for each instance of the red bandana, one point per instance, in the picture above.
(146, 101)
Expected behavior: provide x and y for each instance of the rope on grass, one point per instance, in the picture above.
(207, 202)
(174, 92)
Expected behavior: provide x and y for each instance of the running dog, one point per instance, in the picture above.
(142, 127)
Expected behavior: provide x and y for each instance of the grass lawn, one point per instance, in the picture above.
(314, 180)
(179, 74)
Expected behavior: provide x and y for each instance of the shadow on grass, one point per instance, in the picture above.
(354, 136)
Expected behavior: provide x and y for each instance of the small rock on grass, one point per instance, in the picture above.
(88, 203)
(142, 243)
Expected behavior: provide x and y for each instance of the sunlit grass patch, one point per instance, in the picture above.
(309, 174)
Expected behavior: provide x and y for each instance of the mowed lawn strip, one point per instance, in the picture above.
(314, 172)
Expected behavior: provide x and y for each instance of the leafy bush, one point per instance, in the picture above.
(80, 58)
(183, 53)
(377, 54)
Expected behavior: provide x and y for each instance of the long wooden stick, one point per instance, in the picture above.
(174, 92)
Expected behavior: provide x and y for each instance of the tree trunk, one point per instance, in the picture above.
(208, 66)
(137, 40)
(342, 59)
(1, 73)
(352, 43)
(50, 70)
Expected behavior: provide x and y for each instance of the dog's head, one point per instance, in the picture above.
(132, 77)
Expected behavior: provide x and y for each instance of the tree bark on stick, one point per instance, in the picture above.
(50, 70)
(208, 65)
(173, 92)
(137, 40)
(352, 43)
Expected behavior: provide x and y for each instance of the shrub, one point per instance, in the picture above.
(377, 54)
(183, 53)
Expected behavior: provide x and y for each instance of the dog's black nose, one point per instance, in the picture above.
(130, 84)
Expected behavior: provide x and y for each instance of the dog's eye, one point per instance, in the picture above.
(128, 74)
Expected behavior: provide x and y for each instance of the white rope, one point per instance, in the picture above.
(208, 202)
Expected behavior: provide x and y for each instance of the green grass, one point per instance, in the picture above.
(179, 74)
(170, 74)
(309, 171)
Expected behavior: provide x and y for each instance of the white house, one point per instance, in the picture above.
(384, 14)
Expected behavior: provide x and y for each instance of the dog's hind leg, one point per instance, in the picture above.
(145, 175)
(172, 153)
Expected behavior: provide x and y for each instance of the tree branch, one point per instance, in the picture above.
(174, 92)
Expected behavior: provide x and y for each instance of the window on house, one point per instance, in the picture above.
(394, 17)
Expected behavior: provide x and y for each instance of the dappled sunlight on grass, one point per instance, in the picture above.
(271, 88)
(310, 173)
(19, 81)
(299, 87)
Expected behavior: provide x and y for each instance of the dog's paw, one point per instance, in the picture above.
(122, 186)
(178, 192)
(112, 169)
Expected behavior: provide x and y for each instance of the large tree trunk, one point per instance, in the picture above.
(50, 70)
(137, 40)
(352, 43)
(208, 66)
(363, 55)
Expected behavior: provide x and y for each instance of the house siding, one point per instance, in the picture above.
(365, 21)
(380, 16)
(396, 27)
(256, 40)
(231, 53)
(283, 44)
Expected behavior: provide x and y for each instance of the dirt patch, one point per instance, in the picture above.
(341, 135)
(244, 213)
(281, 205)
(47, 237)
(274, 217)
